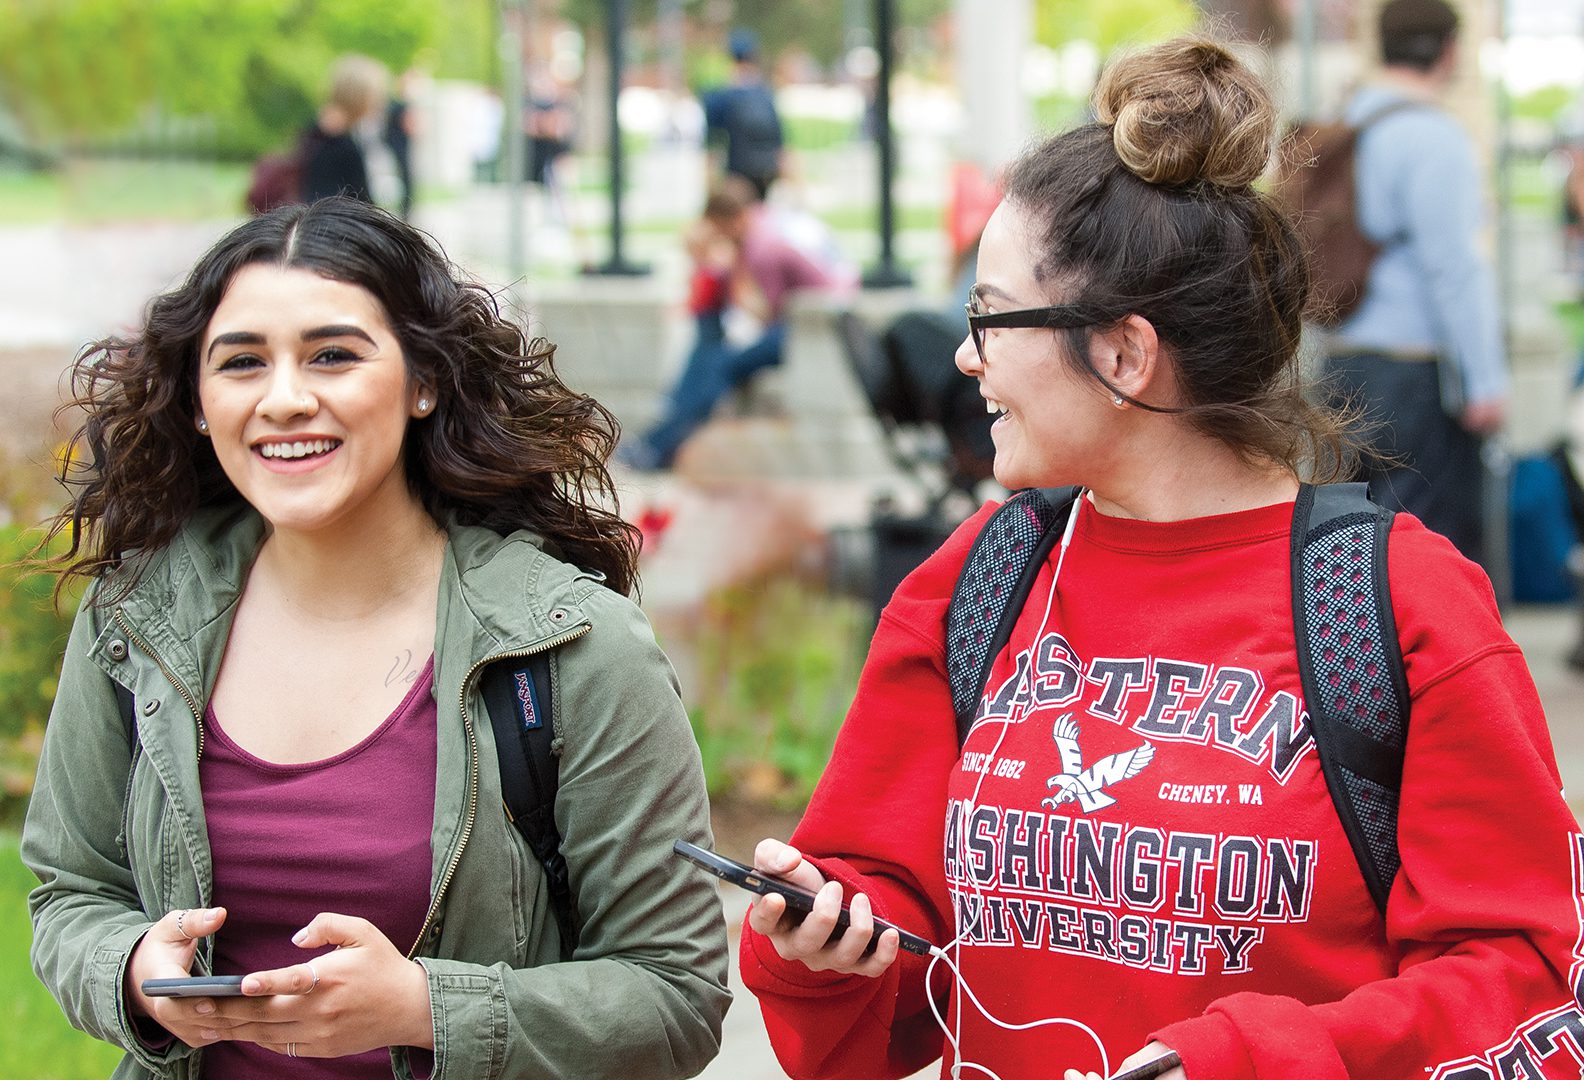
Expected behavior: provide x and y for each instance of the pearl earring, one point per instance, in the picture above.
(203, 426)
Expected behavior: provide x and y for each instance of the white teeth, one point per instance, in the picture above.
(992, 406)
(297, 449)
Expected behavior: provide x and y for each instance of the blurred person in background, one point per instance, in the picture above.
(550, 126)
(742, 126)
(745, 270)
(485, 120)
(404, 121)
(1422, 354)
(348, 131)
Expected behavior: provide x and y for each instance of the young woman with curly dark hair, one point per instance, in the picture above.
(321, 490)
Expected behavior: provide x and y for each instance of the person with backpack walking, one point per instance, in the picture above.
(325, 498)
(1422, 352)
(741, 120)
(1083, 759)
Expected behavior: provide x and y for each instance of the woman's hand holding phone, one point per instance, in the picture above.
(363, 995)
(1154, 1061)
(807, 938)
(166, 952)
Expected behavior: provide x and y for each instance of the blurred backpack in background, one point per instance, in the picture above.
(276, 180)
(1315, 183)
(1546, 515)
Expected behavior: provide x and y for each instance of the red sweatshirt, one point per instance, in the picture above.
(1137, 834)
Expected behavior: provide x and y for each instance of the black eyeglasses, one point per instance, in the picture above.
(1061, 317)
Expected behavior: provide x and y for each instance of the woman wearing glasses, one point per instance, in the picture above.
(1134, 854)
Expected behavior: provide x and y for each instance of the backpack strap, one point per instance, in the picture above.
(127, 707)
(1350, 660)
(995, 581)
(518, 694)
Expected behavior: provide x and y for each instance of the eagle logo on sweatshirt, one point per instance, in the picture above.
(1087, 786)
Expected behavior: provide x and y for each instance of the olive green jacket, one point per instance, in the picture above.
(115, 831)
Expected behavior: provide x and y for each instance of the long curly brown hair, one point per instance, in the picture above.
(510, 446)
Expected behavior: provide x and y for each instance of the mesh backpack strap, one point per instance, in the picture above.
(995, 580)
(1350, 661)
(518, 697)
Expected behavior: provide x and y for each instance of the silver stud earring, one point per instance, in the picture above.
(203, 426)
(1116, 399)
(423, 406)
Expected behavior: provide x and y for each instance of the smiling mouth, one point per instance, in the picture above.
(295, 451)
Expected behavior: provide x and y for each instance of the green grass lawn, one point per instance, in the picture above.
(121, 189)
(35, 1040)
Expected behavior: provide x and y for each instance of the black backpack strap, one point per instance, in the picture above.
(127, 707)
(1350, 661)
(518, 694)
(996, 579)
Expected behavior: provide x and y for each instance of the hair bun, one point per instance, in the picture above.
(1187, 111)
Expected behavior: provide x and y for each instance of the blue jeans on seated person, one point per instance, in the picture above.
(714, 369)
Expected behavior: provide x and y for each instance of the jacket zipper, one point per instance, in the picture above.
(473, 767)
(205, 949)
(192, 702)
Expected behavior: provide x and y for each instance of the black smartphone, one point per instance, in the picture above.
(195, 986)
(1153, 1068)
(797, 899)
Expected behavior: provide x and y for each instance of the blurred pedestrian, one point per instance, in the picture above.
(318, 495)
(336, 148)
(1422, 354)
(745, 270)
(403, 121)
(550, 126)
(485, 122)
(1129, 849)
(742, 125)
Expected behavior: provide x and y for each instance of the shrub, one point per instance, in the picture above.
(777, 664)
(33, 635)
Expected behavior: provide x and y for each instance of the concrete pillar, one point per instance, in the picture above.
(992, 36)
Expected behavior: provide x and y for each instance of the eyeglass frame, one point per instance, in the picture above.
(1056, 317)
(1061, 317)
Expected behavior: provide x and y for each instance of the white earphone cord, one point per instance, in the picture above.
(961, 988)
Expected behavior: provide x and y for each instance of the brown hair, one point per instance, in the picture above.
(509, 446)
(1151, 211)
(728, 198)
(358, 86)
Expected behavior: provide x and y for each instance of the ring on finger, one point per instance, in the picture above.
(291, 1049)
(180, 929)
(315, 973)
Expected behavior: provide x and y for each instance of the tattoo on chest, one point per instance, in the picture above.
(402, 669)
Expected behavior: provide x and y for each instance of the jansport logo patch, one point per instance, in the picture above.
(1088, 786)
(525, 699)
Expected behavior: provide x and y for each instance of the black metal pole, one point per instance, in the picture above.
(615, 34)
(887, 274)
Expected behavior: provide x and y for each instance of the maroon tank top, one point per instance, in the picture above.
(349, 834)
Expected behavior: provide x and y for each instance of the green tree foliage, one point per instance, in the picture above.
(86, 69)
(818, 29)
(1113, 23)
